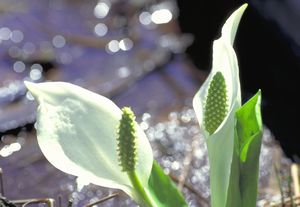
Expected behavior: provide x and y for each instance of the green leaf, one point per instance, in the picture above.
(249, 131)
(162, 189)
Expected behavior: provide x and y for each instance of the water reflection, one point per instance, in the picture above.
(16, 36)
(145, 18)
(19, 66)
(9, 149)
(63, 37)
(58, 41)
(161, 16)
(102, 8)
(5, 33)
(113, 46)
(123, 72)
(125, 44)
(100, 29)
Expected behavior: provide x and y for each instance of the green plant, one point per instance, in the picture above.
(233, 132)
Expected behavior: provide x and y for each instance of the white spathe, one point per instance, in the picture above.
(221, 144)
(225, 61)
(76, 131)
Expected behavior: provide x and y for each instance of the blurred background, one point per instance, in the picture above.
(150, 55)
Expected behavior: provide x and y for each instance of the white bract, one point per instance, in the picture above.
(220, 144)
(76, 131)
(225, 61)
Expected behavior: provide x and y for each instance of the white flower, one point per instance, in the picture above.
(221, 143)
(76, 131)
(224, 61)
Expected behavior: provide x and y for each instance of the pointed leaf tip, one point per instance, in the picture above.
(31, 86)
(230, 27)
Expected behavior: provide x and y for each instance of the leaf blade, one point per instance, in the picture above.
(249, 130)
(162, 189)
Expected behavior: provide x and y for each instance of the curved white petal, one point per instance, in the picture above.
(225, 61)
(76, 132)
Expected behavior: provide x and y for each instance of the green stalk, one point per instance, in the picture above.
(146, 199)
(279, 185)
(127, 152)
(290, 190)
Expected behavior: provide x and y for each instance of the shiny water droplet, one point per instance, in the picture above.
(35, 74)
(123, 72)
(19, 66)
(100, 29)
(101, 9)
(29, 96)
(125, 44)
(145, 18)
(5, 33)
(58, 41)
(113, 46)
(16, 36)
(161, 16)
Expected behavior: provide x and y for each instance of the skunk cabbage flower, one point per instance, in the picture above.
(232, 131)
(225, 65)
(77, 133)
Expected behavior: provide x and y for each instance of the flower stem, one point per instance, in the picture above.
(142, 194)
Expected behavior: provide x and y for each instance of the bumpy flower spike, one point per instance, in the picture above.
(127, 152)
(216, 106)
(127, 149)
